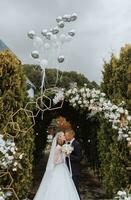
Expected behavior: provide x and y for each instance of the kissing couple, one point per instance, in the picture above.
(61, 178)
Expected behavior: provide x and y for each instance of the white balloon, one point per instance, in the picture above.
(55, 30)
(37, 42)
(73, 17)
(51, 29)
(54, 38)
(65, 17)
(44, 32)
(72, 32)
(68, 18)
(68, 38)
(58, 19)
(35, 54)
(63, 38)
(61, 59)
(61, 24)
(48, 35)
(43, 63)
(46, 45)
(31, 34)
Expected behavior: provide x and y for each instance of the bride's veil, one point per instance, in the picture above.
(48, 173)
(50, 163)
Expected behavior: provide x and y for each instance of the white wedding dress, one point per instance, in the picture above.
(57, 183)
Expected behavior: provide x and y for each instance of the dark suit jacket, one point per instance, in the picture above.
(75, 158)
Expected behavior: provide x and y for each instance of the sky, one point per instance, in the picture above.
(103, 27)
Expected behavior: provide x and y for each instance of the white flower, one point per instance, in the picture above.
(77, 97)
(2, 198)
(92, 101)
(13, 144)
(15, 164)
(126, 112)
(79, 102)
(88, 94)
(82, 90)
(67, 148)
(74, 104)
(103, 94)
(14, 169)
(129, 118)
(21, 156)
(84, 95)
(69, 92)
(114, 107)
(120, 110)
(121, 193)
(101, 100)
(93, 95)
(97, 91)
(125, 135)
(100, 109)
(128, 139)
(85, 102)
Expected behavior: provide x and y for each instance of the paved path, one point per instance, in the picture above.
(89, 185)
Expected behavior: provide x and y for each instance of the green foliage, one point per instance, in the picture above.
(113, 159)
(13, 96)
(117, 77)
(33, 72)
(113, 154)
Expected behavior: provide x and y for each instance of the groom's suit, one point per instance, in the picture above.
(75, 158)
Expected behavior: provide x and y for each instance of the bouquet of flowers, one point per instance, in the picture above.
(123, 195)
(67, 149)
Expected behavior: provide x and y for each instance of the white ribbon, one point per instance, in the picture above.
(43, 80)
(42, 85)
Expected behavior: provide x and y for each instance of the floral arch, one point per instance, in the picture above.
(95, 101)
(92, 100)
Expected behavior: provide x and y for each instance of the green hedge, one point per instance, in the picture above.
(12, 97)
(114, 154)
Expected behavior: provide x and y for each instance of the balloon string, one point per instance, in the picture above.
(57, 76)
(42, 85)
(43, 80)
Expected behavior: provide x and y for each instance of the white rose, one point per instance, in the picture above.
(121, 110)
(15, 164)
(103, 94)
(129, 118)
(13, 144)
(79, 102)
(74, 104)
(10, 157)
(21, 156)
(92, 101)
(82, 90)
(14, 169)
(88, 94)
(77, 98)
(84, 95)
(85, 102)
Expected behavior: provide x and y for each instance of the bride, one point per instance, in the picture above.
(57, 183)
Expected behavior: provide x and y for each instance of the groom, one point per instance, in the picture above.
(75, 157)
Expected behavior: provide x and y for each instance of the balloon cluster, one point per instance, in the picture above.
(48, 47)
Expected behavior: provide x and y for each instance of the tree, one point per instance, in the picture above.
(113, 154)
(33, 72)
(13, 98)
